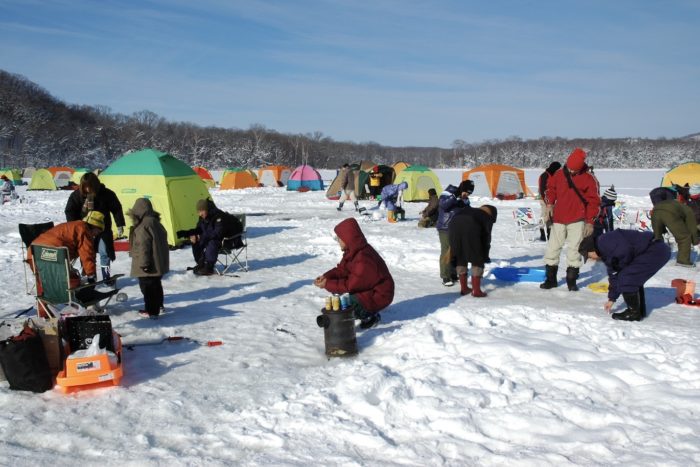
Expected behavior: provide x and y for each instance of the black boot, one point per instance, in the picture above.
(543, 238)
(571, 276)
(357, 206)
(633, 311)
(207, 269)
(340, 207)
(551, 277)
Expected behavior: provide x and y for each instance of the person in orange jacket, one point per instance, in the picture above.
(79, 238)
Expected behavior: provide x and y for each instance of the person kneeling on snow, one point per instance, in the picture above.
(391, 196)
(470, 242)
(361, 272)
(632, 258)
(213, 226)
(429, 215)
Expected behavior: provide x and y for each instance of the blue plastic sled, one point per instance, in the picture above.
(513, 274)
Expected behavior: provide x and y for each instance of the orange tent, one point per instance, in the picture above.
(237, 178)
(55, 170)
(205, 175)
(273, 175)
(498, 181)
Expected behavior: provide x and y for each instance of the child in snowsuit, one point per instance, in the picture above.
(429, 215)
(448, 206)
(361, 272)
(631, 258)
(604, 221)
(391, 194)
(470, 242)
(150, 256)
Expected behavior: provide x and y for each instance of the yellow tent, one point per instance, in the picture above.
(171, 185)
(687, 172)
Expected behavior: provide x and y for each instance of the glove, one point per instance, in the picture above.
(120, 231)
(547, 214)
(587, 230)
(91, 279)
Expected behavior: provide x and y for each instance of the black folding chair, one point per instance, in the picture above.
(234, 250)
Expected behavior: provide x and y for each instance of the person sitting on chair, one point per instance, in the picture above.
(429, 215)
(391, 196)
(79, 238)
(361, 272)
(7, 188)
(632, 258)
(213, 226)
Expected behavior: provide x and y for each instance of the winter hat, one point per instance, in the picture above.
(95, 218)
(576, 160)
(587, 245)
(403, 185)
(611, 194)
(432, 192)
(553, 167)
(694, 190)
(4, 177)
(202, 205)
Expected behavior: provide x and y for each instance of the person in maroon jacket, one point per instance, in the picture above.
(572, 197)
(361, 272)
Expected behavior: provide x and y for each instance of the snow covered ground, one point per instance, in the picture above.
(522, 377)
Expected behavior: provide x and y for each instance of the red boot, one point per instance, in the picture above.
(476, 287)
(463, 284)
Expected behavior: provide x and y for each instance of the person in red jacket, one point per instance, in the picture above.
(361, 272)
(572, 197)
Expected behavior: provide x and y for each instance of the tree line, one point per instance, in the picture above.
(38, 130)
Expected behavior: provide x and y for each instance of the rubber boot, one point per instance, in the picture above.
(476, 287)
(464, 289)
(571, 276)
(207, 269)
(550, 280)
(340, 207)
(543, 238)
(633, 311)
(390, 217)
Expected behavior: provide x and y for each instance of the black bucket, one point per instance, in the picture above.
(338, 332)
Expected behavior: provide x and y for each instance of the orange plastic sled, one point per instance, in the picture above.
(91, 372)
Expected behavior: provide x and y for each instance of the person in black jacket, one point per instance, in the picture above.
(542, 189)
(470, 242)
(213, 226)
(94, 196)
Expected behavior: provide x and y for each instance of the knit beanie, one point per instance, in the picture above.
(576, 160)
(611, 194)
(553, 167)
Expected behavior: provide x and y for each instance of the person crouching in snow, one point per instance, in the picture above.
(391, 196)
(429, 215)
(470, 242)
(150, 256)
(361, 272)
(631, 258)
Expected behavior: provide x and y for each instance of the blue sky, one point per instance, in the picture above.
(402, 73)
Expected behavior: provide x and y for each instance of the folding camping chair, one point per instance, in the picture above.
(234, 250)
(28, 232)
(525, 221)
(52, 266)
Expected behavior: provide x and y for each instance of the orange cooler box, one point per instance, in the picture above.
(91, 372)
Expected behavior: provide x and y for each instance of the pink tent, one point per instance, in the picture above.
(305, 178)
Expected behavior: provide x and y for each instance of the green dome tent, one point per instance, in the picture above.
(170, 184)
(42, 180)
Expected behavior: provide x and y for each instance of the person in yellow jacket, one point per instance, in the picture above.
(375, 182)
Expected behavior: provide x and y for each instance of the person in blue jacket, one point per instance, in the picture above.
(390, 197)
(210, 231)
(631, 258)
(449, 204)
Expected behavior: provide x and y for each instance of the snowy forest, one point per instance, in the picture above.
(39, 130)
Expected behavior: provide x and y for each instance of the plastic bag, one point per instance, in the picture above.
(92, 350)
